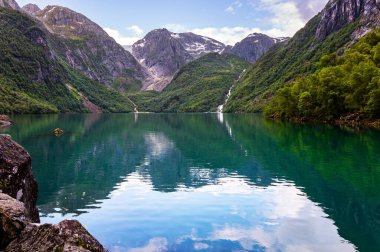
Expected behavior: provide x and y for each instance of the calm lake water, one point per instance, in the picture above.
(207, 182)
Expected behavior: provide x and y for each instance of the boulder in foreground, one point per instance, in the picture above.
(16, 178)
(68, 235)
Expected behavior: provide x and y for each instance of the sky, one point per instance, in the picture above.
(228, 21)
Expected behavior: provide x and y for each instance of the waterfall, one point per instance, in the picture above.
(221, 107)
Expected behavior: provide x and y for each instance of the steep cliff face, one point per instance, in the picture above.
(254, 46)
(162, 54)
(16, 178)
(339, 13)
(9, 4)
(89, 49)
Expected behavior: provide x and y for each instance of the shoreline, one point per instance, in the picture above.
(348, 121)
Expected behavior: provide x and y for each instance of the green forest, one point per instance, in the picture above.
(342, 84)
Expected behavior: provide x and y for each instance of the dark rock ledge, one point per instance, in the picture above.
(19, 228)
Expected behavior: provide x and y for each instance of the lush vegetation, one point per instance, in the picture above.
(200, 86)
(34, 80)
(109, 100)
(283, 63)
(342, 85)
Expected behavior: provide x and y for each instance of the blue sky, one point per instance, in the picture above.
(228, 21)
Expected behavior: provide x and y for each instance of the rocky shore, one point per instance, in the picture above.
(5, 121)
(19, 217)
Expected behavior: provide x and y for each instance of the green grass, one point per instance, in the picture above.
(200, 86)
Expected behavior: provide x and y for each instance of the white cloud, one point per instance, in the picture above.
(121, 39)
(308, 8)
(135, 29)
(157, 244)
(283, 18)
(227, 35)
(234, 6)
(175, 27)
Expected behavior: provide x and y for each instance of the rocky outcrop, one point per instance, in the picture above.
(254, 46)
(16, 178)
(12, 219)
(89, 49)
(68, 235)
(339, 13)
(31, 9)
(9, 4)
(18, 212)
(5, 121)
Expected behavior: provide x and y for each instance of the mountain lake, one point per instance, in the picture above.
(207, 182)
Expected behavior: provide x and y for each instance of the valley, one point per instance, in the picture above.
(164, 71)
(192, 125)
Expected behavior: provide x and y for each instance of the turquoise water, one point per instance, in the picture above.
(207, 182)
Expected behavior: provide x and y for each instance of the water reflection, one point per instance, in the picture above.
(207, 182)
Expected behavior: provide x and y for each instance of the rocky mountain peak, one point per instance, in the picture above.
(91, 50)
(9, 4)
(162, 55)
(67, 22)
(198, 45)
(254, 46)
(31, 9)
(339, 13)
(163, 52)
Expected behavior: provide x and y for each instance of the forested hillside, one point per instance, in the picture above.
(33, 79)
(343, 84)
(283, 63)
(200, 86)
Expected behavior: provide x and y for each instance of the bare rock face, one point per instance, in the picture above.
(31, 9)
(89, 49)
(162, 54)
(253, 47)
(9, 4)
(339, 13)
(68, 235)
(16, 178)
(12, 219)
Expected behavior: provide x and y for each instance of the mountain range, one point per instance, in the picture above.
(66, 62)
(163, 52)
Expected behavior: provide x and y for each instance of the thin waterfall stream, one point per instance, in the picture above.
(221, 107)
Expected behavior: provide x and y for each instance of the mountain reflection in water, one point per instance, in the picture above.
(211, 182)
